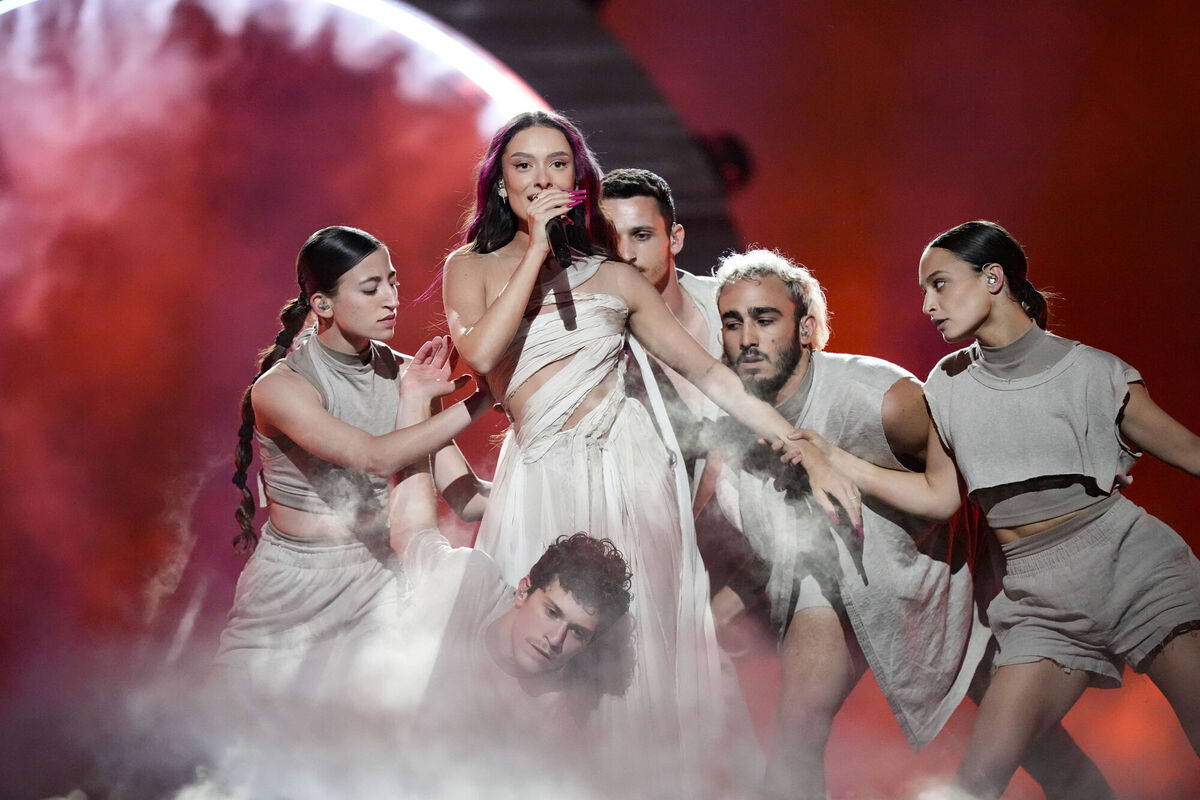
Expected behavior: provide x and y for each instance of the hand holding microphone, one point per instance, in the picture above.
(556, 235)
(556, 229)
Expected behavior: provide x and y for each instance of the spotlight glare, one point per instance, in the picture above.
(9, 5)
(506, 90)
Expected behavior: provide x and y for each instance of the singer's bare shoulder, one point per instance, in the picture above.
(462, 258)
(612, 277)
(465, 261)
(468, 267)
(471, 280)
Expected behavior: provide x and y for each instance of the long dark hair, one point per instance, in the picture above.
(980, 243)
(491, 221)
(326, 256)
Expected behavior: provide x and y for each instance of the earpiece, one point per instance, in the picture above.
(324, 305)
(804, 331)
(991, 279)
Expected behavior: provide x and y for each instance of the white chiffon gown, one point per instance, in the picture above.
(610, 475)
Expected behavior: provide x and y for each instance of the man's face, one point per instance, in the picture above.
(759, 330)
(550, 628)
(642, 237)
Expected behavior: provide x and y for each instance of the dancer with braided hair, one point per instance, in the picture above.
(322, 580)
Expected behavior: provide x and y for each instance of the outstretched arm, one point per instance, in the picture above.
(1158, 433)
(933, 494)
(906, 422)
(424, 380)
(466, 493)
(285, 403)
(412, 504)
(656, 327)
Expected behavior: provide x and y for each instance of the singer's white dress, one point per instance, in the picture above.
(610, 475)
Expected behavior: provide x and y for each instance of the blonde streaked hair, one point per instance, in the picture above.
(803, 289)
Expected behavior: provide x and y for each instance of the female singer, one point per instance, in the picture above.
(551, 338)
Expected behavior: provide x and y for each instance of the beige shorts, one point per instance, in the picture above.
(811, 593)
(1111, 584)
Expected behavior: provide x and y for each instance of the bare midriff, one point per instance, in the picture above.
(515, 406)
(1006, 535)
(307, 524)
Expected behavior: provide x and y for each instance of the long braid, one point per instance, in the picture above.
(292, 318)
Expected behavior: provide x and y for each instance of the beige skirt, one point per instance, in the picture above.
(305, 611)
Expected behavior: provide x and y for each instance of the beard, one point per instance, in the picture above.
(765, 388)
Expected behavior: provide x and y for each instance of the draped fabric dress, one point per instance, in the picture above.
(611, 475)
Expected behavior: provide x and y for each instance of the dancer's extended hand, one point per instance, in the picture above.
(428, 373)
(812, 451)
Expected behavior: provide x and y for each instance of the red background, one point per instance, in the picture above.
(154, 190)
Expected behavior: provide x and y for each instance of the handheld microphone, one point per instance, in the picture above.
(557, 235)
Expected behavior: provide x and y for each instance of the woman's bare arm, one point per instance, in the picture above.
(285, 402)
(423, 381)
(483, 330)
(933, 494)
(1158, 433)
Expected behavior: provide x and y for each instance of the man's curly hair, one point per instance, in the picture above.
(593, 570)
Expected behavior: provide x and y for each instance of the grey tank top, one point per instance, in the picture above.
(841, 398)
(365, 395)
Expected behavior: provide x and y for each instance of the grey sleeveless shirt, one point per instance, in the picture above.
(913, 616)
(1026, 436)
(365, 395)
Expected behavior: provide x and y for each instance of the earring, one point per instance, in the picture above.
(501, 190)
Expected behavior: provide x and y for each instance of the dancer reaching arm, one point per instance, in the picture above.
(321, 579)
(1043, 430)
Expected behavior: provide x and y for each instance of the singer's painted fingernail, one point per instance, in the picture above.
(833, 516)
(859, 529)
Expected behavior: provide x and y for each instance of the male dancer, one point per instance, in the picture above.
(641, 208)
(506, 674)
(841, 603)
(504, 655)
